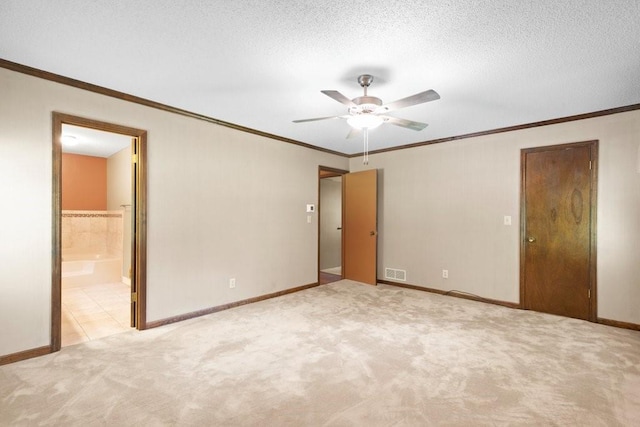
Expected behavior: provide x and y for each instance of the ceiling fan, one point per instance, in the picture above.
(368, 112)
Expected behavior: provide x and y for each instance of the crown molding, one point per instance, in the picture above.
(46, 75)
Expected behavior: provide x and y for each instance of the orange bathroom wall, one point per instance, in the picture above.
(84, 182)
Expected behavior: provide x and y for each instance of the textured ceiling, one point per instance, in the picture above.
(262, 64)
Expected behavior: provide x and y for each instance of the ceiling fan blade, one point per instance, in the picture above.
(339, 97)
(418, 98)
(316, 119)
(354, 132)
(409, 124)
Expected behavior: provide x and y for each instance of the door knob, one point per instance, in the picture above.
(372, 233)
(531, 239)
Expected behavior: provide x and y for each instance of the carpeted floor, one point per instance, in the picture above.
(342, 354)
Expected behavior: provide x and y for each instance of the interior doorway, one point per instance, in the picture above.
(355, 227)
(558, 229)
(330, 225)
(99, 230)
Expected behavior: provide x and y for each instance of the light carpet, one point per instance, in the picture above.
(343, 354)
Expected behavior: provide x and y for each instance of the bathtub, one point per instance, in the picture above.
(90, 269)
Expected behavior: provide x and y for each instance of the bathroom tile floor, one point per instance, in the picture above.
(94, 311)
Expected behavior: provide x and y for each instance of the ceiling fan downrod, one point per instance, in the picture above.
(365, 81)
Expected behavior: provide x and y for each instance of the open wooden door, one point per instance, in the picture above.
(139, 232)
(135, 145)
(558, 273)
(360, 241)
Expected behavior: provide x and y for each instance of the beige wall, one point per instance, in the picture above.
(442, 207)
(212, 214)
(118, 194)
(119, 179)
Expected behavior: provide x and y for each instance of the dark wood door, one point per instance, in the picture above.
(558, 230)
(360, 211)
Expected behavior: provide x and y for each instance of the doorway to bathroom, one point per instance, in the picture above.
(99, 235)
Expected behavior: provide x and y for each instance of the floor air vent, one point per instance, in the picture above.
(395, 274)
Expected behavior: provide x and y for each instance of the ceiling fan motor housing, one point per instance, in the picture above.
(365, 80)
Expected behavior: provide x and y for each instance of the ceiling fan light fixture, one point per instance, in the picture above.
(365, 121)
(69, 140)
(367, 112)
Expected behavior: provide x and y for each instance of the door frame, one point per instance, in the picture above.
(139, 214)
(593, 231)
(328, 172)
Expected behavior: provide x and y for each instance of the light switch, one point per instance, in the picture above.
(308, 219)
(507, 220)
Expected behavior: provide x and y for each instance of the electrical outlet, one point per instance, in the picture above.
(445, 274)
(232, 283)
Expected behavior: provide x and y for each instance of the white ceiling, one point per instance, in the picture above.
(92, 142)
(262, 63)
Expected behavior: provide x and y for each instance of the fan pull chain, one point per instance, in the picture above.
(365, 158)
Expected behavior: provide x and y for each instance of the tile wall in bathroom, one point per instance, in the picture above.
(92, 232)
